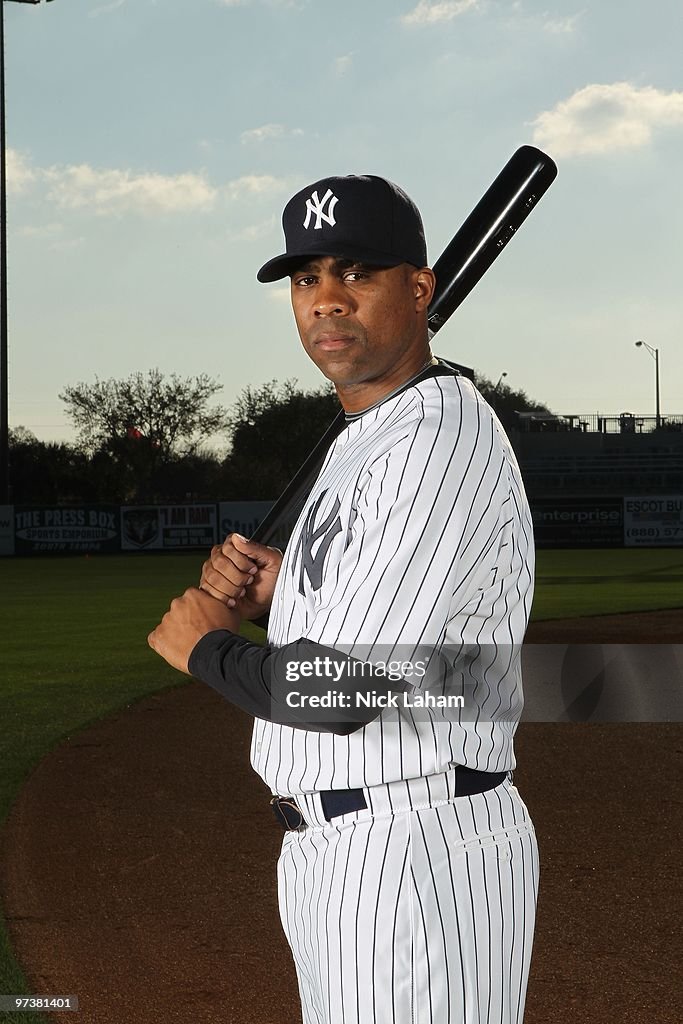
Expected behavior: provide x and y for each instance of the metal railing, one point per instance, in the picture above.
(598, 423)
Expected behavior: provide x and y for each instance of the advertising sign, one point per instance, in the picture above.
(6, 529)
(168, 527)
(49, 530)
(578, 522)
(241, 517)
(654, 522)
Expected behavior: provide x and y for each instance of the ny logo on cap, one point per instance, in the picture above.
(316, 206)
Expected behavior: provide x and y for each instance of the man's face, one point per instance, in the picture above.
(364, 327)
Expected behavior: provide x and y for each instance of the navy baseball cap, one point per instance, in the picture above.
(359, 216)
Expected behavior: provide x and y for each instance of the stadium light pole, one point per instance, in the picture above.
(654, 352)
(4, 390)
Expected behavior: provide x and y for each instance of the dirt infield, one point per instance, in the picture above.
(137, 869)
(663, 627)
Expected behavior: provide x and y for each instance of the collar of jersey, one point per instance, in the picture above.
(437, 368)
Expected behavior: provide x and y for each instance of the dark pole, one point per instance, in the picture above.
(4, 393)
(5, 489)
(654, 352)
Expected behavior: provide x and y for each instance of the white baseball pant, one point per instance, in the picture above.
(419, 909)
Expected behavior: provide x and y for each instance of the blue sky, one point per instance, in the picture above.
(153, 143)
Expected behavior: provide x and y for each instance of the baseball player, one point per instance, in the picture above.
(408, 873)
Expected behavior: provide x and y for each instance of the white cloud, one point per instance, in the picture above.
(40, 231)
(116, 191)
(50, 236)
(254, 184)
(20, 174)
(605, 118)
(560, 26)
(545, 21)
(343, 64)
(269, 131)
(428, 12)
(266, 131)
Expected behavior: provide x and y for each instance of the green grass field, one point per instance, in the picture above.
(74, 644)
(75, 650)
(570, 583)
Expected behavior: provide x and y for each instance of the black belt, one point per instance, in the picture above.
(468, 782)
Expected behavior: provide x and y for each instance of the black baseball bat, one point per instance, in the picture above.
(502, 209)
(464, 261)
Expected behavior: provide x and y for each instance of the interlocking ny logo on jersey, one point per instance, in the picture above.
(312, 565)
(316, 206)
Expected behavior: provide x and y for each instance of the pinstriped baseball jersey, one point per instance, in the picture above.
(416, 538)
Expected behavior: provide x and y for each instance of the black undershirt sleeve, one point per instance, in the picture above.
(276, 683)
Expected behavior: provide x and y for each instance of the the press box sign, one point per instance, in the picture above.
(654, 522)
(6, 529)
(578, 522)
(51, 530)
(167, 527)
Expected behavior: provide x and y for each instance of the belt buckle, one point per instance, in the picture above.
(287, 813)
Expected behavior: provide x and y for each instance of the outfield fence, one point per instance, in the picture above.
(559, 522)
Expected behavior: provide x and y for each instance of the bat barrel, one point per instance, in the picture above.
(483, 236)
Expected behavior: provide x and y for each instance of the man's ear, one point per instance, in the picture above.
(424, 281)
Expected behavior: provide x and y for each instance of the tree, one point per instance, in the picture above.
(506, 402)
(171, 414)
(46, 472)
(190, 478)
(135, 428)
(272, 429)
